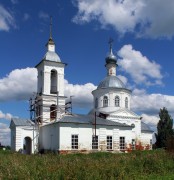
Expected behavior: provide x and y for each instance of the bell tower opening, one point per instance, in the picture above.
(53, 80)
(53, 112)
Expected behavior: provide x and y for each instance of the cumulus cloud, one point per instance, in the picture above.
(145, 18)
(151, 103)
(147, 72)
(7, 116)
(151, 120)
(6, 19)
(18, 85)
(4, 134)
(82, 94)
(123, 79)
(21, 83)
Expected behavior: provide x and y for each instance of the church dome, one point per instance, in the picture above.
(111, 58)
(52, 56)
(111, 81)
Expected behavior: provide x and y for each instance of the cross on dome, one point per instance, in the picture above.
(110, 43)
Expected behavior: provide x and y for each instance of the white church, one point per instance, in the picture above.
(109, 126)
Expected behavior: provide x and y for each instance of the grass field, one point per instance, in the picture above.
(136, 165)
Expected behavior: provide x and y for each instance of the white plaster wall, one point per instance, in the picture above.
(111, 94)
(137, 122)
(145, 138)
(13, 139)
(57, 136)
(49, 137)
(20, 133)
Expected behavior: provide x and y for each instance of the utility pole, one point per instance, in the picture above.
(58, 111)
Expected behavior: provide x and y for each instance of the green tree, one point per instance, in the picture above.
(164, 129)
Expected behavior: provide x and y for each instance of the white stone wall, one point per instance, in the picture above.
(145, 139)
(100, 93)
(19, 133)
(57, 136)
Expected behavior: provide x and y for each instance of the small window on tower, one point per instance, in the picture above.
(126, 102)
(117, 101)
(53, 79)
(105, 101)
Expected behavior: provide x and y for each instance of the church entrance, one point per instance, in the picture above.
(27, 145)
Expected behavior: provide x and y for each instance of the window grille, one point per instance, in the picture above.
(74, 141)
(94, 142)
(109, 142)
(117, 101)
(122, 143)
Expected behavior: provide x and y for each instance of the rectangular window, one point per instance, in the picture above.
(74, 141)
(151, 143)
(122, 143)
(133, 144)
(94, 142)
(109, 142)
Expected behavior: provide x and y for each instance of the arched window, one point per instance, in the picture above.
(96, 103)
(126, 102)
(105, 101)
(53, 112)
(53, 79)
(117, 101)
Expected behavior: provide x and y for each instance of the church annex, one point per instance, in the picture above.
(109, 126)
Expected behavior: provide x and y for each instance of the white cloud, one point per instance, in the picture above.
(7, 116)
(151, 103)
(139, 67)
(6, 19)
(123, 79)
(4, 134)
(18, 85)
(145, 18)
(151, 120)
(82, 94)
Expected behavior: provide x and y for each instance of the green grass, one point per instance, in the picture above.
(94, 166)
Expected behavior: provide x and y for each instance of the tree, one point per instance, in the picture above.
(164, 129)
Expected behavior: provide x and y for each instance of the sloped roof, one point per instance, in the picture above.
(145, 127)
(88, 119)
(21, 122)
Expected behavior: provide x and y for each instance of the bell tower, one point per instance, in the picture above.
(50, 100)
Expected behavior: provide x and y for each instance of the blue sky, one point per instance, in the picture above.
(143, 43)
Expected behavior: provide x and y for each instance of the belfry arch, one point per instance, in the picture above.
(53, 82)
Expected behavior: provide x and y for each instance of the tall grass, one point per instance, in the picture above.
(94, 166)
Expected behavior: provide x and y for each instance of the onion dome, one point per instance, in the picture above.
(111, 58)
